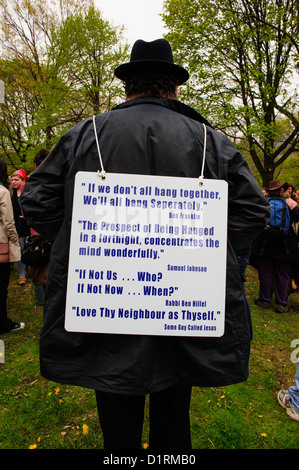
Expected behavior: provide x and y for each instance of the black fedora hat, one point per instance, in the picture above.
(151, 56)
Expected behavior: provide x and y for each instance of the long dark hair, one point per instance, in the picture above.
(3, 174)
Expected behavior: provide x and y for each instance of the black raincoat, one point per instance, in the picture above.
(142, 136)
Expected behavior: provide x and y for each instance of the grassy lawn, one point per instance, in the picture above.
(35, 413)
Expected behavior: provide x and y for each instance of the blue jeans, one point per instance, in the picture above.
(294, 391)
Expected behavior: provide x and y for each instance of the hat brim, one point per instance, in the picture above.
(125, 71)
(274, 188)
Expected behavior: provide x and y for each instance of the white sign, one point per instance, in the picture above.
(147, 256)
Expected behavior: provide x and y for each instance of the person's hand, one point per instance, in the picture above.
(291, 203)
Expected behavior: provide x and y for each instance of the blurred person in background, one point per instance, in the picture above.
(8, 235)
(18, 179)
(275, 250)
(39, 274)
(289, 399)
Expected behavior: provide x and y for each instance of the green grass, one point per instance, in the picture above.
(37, 412)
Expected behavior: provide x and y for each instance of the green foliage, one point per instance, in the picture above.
(289, 171)
(241, 57)
(92, 50)
(56, 71)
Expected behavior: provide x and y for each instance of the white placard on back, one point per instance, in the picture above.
(147, 256)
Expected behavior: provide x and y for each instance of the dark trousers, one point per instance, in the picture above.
(274, 273)
(5, 323)
(121, 418)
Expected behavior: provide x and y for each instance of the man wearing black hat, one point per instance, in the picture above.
(151, 133)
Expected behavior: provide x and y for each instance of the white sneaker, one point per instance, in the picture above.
(285, 401)
(17, 326)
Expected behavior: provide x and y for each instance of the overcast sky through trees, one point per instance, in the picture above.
(140, 17)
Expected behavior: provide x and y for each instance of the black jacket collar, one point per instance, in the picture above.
(174, 105)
